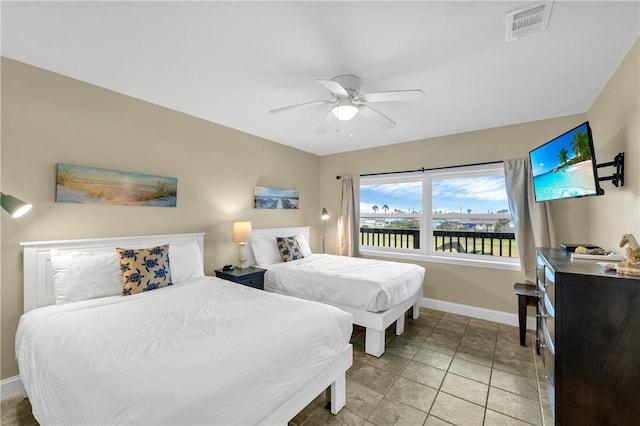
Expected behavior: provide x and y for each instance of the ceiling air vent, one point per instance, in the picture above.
(528, 20)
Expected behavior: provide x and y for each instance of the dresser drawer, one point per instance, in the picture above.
(540, 269)
(256, 281)
(540, 316)
(540, 280)
(546, 280)
(549, 320)
(542, 310)
(548, 354)
(250, 277)
(549, 375)
(550, 285)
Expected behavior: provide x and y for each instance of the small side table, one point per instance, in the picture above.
(527, 296)
(251, 276)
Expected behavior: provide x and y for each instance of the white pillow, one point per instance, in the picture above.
(85, 275)
(304, 245)
(266, 251)
(185, 261)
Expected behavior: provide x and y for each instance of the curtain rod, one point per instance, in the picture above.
(428, 169)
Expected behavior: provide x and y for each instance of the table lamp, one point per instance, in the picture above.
(324, 217)
(241, 233)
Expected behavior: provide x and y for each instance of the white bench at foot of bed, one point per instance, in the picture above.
(377, 322)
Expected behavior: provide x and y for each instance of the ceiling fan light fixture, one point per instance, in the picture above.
(345, 110)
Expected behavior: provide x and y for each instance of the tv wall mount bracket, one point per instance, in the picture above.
(617, 178)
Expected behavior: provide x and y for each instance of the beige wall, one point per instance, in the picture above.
(47, 119)
(614, 118)
(479, 287)
(615, 121)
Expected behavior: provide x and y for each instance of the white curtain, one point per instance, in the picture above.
(533, 222)
(349, 217)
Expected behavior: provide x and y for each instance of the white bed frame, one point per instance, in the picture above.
(39, 291)
(375, 322)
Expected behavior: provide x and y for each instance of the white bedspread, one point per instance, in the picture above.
(366, 284)
(203, 352)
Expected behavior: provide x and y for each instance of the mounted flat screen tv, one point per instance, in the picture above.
(565, 167)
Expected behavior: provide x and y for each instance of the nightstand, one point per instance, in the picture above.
(251, 276)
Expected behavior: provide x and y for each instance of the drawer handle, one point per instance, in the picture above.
(542, 345)
(541, 315)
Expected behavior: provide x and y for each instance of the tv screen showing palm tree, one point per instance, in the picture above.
(565, 167)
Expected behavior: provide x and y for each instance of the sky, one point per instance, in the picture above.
(545, 158)
(480, 194)
(276, 192)
(111, 176)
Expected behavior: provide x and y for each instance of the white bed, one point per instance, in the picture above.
(203, 351)
(377, 293)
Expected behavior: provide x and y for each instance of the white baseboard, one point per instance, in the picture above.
(11, 387)
(475, 312)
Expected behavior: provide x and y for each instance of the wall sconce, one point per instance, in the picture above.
(324, 217)
(14, 206)
(241, 234)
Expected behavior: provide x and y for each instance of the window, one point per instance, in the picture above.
(453, 215)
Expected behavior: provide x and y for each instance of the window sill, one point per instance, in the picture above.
(479, 261)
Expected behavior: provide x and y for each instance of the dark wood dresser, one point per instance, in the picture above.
(589, 339)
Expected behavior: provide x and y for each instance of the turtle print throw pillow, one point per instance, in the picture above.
(289, 248)
(144, 269)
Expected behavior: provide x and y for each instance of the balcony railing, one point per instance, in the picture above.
(477, 242)
(398, 238)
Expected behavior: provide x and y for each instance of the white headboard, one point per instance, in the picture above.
(273, 233)
(38, 275)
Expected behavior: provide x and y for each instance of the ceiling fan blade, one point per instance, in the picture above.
(373, 115)
(393, 96)
(326, 122)
(335, 87)
(274, 111)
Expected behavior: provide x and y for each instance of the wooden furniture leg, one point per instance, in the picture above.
(527, 296)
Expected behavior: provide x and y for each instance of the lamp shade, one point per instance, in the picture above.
(14, 206)
(325, 214)
(241, 231)
(345, 110)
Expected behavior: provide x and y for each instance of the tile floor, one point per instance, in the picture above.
(445, 369)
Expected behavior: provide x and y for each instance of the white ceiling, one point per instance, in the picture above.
(232, 62)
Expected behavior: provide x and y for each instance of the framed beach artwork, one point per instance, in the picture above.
(89, 185)
(274, 198)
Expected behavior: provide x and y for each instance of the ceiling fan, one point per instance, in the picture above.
(347, 102)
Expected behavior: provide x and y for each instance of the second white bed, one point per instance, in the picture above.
(365, 284)
(377, 293)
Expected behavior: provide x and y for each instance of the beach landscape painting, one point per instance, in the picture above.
(274, 198)
(563, 167)
(89, 185)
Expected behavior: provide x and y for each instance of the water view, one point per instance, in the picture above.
(274, 198)
(571, 181)
(563, 167)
